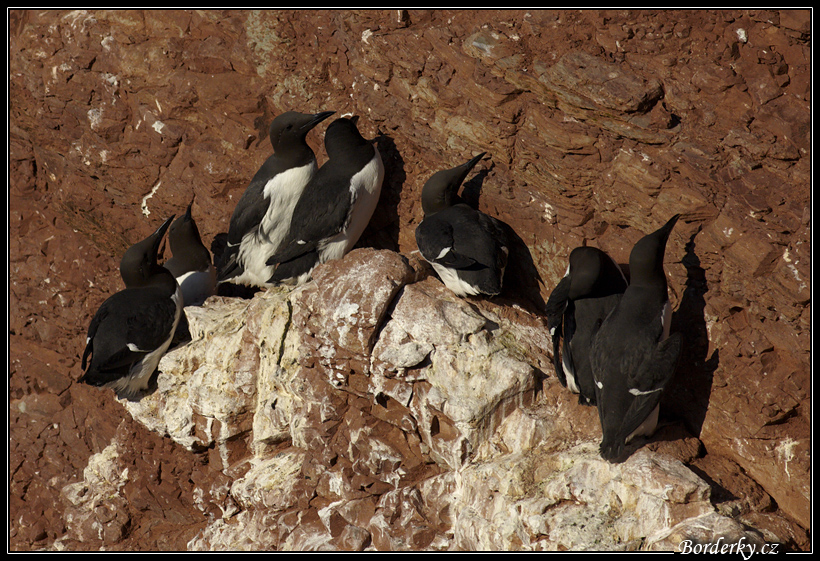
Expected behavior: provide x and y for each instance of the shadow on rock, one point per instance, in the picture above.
(690, 390)
(383, 230)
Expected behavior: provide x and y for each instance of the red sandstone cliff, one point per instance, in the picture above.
(598, 126)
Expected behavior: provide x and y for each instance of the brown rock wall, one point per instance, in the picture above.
(598, 125)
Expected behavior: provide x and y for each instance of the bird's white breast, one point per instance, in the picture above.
(282, 192)
(196, 286)
(452, 281)
(365, 189)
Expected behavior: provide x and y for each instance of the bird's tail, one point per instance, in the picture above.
(228, 266)
(612, 450)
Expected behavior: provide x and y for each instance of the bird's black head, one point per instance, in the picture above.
(646, 259)
(594, 273)
(186, 245)
(140, 260)
(585, 268)
(291, 128)
(343, 137)
(441, 189)
(182, 229)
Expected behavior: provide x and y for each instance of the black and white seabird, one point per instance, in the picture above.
(633, 355)
(590, 289)
(133, 328)
(334, 208)
(191, 262)
(262, 216)
(467, 248)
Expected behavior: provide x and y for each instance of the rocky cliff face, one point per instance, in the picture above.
(371, 408)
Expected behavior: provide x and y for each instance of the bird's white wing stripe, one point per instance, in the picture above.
(636, 391)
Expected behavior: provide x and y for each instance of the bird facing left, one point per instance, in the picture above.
(589, 291)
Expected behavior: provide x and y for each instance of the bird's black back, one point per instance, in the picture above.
(141, 316)
(323, 210)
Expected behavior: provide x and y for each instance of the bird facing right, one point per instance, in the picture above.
(191, 262)
(633, 355)
(467, 248)
(262, 216)
(133, 328)
(335, 207)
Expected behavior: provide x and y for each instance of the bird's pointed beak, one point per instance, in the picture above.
(159, 234)
(467, 167)
(164, 227)
(666, 229)
(317, 118)
(471, 164)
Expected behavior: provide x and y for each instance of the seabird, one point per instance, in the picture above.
(633, 355)
(467, 248)
(589, 291)
(334, 208)
(262, 216)
(134, 327)
(191, 261)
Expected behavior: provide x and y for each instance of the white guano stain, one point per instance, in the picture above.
(144, 204)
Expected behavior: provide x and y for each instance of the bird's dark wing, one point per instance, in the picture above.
(461, 237)
(653, 376)
(150, 327)
(229, 266)
(435, 240)
(93, 327)
(656, 371)
(294, 268)
(494, 233)
(583, 320)
(118, 340)
(477, 236)
(321, 213)
(632, 373)
(251, 208)
(247, 216)
(557, 304)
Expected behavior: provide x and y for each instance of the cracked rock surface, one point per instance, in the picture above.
(371, 409)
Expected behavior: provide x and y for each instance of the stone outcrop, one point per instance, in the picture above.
(369, 409)
(383, 412)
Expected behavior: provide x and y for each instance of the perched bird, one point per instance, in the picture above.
(467, 248)
(334, 208)
(633, 356)
(133, 328)
(191, 261)
(577, 306)
(262, 216)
